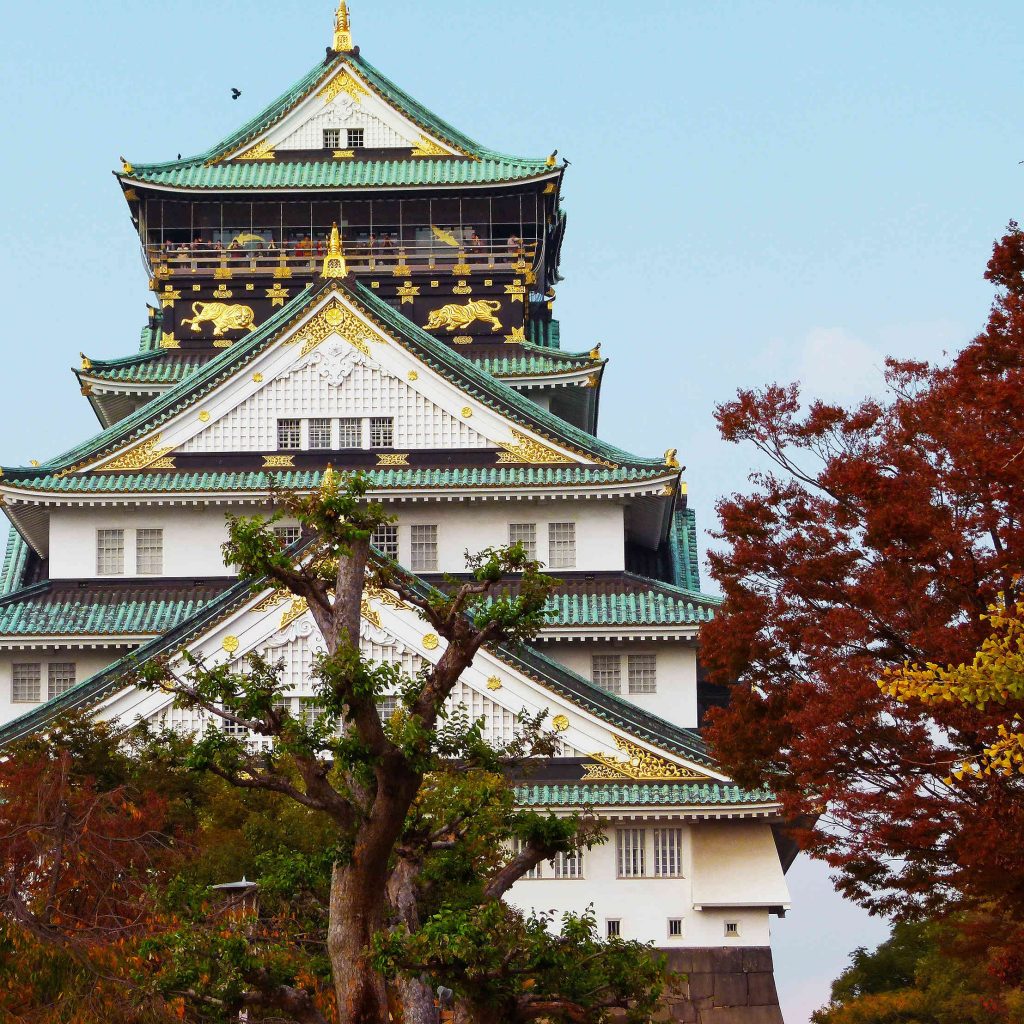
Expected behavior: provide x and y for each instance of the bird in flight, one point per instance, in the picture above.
(235, 93)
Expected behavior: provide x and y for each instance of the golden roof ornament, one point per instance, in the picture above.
(670, 459)
(342, 30)
(334, 261)
(330, 480)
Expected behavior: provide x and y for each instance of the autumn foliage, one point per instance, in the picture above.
(878, 538)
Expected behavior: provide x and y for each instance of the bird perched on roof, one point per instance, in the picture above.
(235, 93)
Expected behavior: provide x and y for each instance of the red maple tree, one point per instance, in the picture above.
(879, 536)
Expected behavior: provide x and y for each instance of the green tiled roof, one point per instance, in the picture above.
(626, 794)
(544, 334)
(15, 558)
(41, 610)
(384, 478)
(537, 361)
(470, 378)
(206, 170)
(145, 368)
(653, 608)
(683, 549)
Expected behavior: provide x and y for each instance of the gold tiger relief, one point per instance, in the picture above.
(454, 317)
(222, 316)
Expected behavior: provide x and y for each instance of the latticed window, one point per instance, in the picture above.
(606, 672)
(668, 852)
(149, 552)
(287, 535)
(675, 927)
(26, 680)
(562, 545)
(629, 846)
(319, 433)
(311, 713)
(518, 845)
(289, 435)
(355, 138)
(60, 676)
(109, 552)
(382, 432)
(732, 929)
(567, 865)
(385, 540)
(350, 433)
(387, 705)
(424, 548)
(332, 138)
(613, 928)
(525, 534)
(642, 670)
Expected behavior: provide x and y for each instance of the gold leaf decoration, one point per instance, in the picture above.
(560, 723)
(444, 236)
(139, 457)
(263, 150)
(342, 82)
(278, 462)
(167, 340)
(427, 147)
(369, 614)
(431, 642)
(517, 337)
(638, 764)
(395, 459)
(525, 449)
(297, 608)
(493, 683)
(230, 644)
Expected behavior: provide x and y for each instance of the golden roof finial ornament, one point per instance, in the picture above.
(342, 30)
(330, 480)
(670, 459)
(334, 261)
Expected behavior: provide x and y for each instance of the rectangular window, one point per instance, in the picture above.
(355, 138)
(387, 705)
(525, 534)
(613, 928)
(289, 435)
(562, 545)
(26, 681)
(382, 432)
(109, 552)
(629, 845)
(732, 929)
(149, 552)
(424, 548)
(642, 670)
(332, 138)
(606, 672)
(668, 852)
(319, 433)
(517, 848)
(385, 540)
(60, 676)
(675, 927)
(287, 535)
(350, 433)
(568, 865)
(310, 713)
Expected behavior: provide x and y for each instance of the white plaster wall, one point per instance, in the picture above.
(676, 696)
(344, 113)
(87, 663)
(644, 905)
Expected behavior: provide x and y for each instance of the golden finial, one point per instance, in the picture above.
(342, 33)
(330, 480)
(550, 162)
(334, 261)
(670, 459)
(86, 361)
(126, 166)
(595, 352)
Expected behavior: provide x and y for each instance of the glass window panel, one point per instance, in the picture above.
(149, 552)
(424, 548)
(525, 534)
(562, 545)
(385, 540)
(606, 672)
(382, 432)
(320, 433)
(26, 682)
(668, 852)
(60, 677)
(350, 433)
(289, 435)
(630, 843)
(109, 552)
(643, 675)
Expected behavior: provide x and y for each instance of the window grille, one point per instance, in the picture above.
(350, 433)
(568, 865)
(332, 138)
(606, 672)
(629, 843)
(518, 845)
(675, 927)
(26, 680)
(562, 545)
(310, 713)
(385, 540)
(355, 137)
(643, 673)
(613, 928)
(319, 433)
(149, 552)
(289, 435)
(60, 677)
(668, 852)
(287, 535)
(382, 432)
(732, 929)
(424, 548)
(387, 705)
(109, 552)
(525, 534)
(233, 728)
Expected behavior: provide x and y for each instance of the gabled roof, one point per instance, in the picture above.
(461, 372)
(215, 169)
(15, 560)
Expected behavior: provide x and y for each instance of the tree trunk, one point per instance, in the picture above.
(414, 994)
(356, 914)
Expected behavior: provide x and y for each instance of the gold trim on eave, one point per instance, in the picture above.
(138, 457)
(639, 765)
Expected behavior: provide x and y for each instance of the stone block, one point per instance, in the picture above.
(701, 986)
(730, 990)
(741, 1015)
(761, 990)
(758, 958)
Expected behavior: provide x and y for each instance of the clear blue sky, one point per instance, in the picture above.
(759, 191)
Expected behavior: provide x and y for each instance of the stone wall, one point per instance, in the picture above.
(724, 985)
